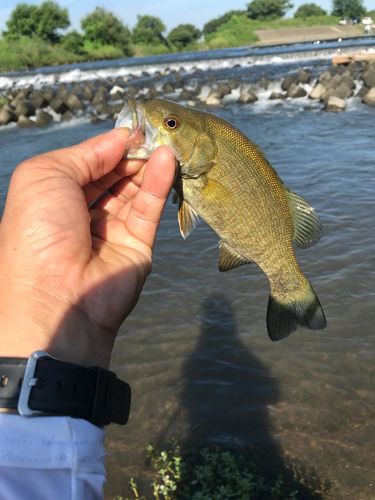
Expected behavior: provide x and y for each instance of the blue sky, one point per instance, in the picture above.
(172, 12)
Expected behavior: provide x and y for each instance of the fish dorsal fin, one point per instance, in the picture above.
(306, 222)
(229, 258)
(187, 218)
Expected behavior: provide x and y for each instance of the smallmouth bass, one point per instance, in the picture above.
(226, 180)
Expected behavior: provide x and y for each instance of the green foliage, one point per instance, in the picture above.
(104, 28)
(98, 52)
(309, 9)
(209, 474)
(348, 8)
(183, 35)
(236, 32)
(268, 9)
(214, 24)
(73, 42)
(42, 21)
(31, 53)
(148, 31)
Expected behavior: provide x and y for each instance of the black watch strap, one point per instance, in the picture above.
(43, 385)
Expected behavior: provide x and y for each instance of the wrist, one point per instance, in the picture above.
(50, 324)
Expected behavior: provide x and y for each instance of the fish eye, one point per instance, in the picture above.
(171, 122)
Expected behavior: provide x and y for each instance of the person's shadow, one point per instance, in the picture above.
(224, 398)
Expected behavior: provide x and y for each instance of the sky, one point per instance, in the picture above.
(171, 12)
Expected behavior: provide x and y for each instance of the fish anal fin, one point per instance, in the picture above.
(229, 258)
(306, 222)
(187, 218)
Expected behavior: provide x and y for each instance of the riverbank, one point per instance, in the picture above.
(307, 34)
(101, 99)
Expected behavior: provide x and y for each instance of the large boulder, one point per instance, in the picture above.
(369, 97)
(58, 104)
(7, 115)
(73, 102)
(214, 98)
(247, 95)
(335, 104)
(24, 108)
(296, 91)
(288, 81)
(25, 122)
(278, 95)
(304, 75)
(38, 99)
(318, 91)
(42, 118)
(369, 76)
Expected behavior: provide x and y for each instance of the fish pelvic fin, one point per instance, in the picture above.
(306, 222)
(285, 315)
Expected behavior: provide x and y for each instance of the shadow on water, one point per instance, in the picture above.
(225, 396)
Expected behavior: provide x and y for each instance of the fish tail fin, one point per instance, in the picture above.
(285, 314)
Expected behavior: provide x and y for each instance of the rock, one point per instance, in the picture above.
(318, 91)
(342, 91)
(335, 104)
(369, 97)
(100, 97)
(369, 77)
(186, 95)
(24, 108)
(278, 95)
(42, 118)
(58, 105)
(25, 122)
(246, 95)
(19, 97)
(67, 116)
(287, 81)
(263, 83)
(151, 93)
(7, 116)
(87, 92)
(73, 102)
(304, 75)
(168, 88)
(213, 98)
(48, 94)
(296, 91)
(38, 99)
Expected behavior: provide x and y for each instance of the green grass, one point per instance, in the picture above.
(219, 473)
(240, 30)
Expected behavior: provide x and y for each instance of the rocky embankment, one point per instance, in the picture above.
(103, 99)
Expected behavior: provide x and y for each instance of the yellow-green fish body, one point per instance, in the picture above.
(225, 179)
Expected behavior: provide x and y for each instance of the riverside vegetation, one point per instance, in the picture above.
(36, 34)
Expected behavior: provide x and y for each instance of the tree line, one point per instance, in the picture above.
(49, 22)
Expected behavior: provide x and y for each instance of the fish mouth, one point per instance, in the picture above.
(132, 116)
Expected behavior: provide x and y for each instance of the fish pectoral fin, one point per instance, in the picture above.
(306, 222)
(187, 218)
(229, 258)
(202, 158)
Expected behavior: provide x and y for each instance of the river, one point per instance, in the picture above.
(196, 351)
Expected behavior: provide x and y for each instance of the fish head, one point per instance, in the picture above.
(164, 122)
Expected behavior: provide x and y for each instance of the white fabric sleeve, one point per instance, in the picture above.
(44, 458)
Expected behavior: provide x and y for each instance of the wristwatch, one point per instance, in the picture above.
(45, 386)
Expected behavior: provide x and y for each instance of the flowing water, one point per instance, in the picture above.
(196, 350)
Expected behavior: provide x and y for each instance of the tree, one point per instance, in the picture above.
(73, 42)
(42, 21)
(183, 35)
(149, 31)
(268, 9)
(104, 28)
(348, 8)
(309, 9)
(214, 24)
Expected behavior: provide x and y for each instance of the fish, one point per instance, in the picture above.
(226, 180)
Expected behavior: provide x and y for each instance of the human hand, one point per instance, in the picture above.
(70, 275)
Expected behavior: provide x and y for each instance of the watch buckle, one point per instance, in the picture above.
(28, 382)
